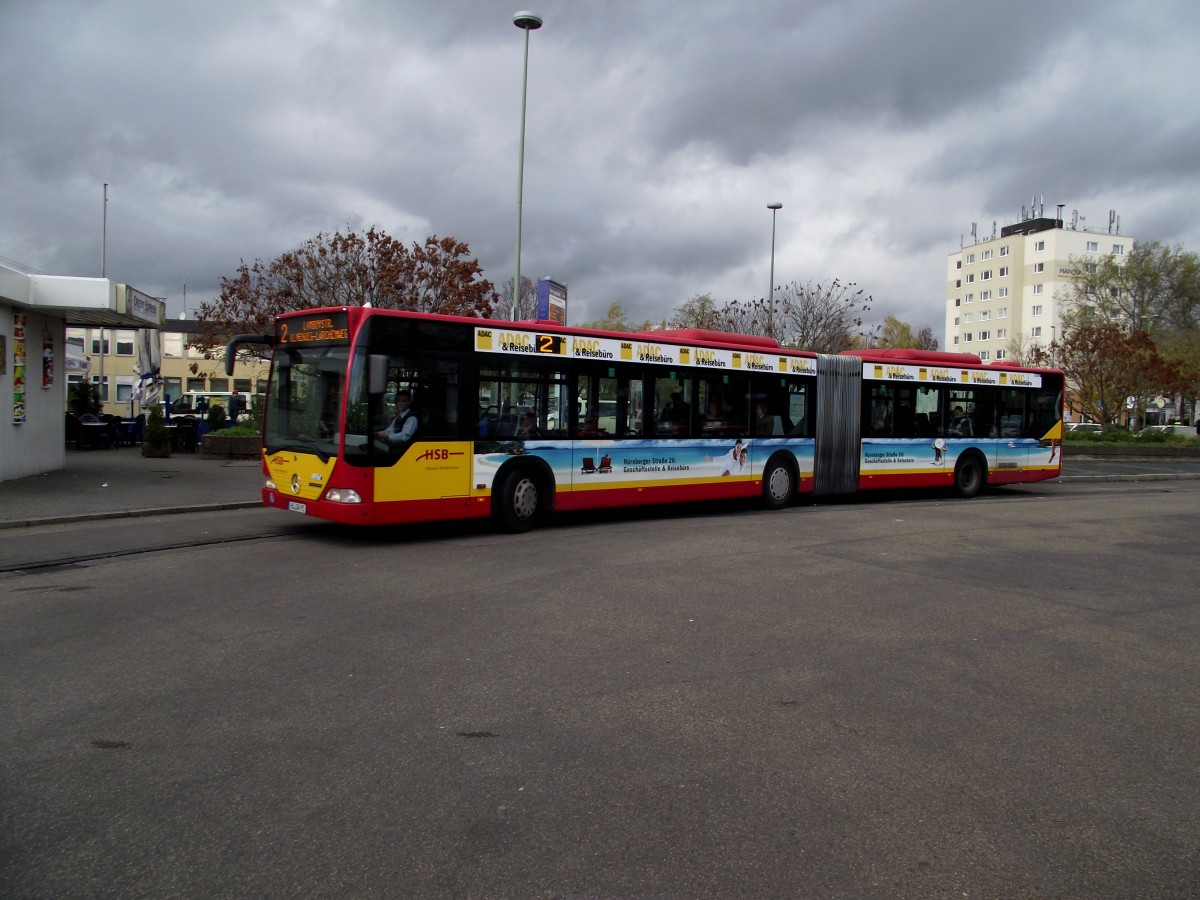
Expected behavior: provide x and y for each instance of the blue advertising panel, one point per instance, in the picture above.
(552, 301)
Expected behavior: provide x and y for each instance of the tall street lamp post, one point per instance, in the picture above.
(527, 22)
(773, 207)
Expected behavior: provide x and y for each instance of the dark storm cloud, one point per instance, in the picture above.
(657, 133)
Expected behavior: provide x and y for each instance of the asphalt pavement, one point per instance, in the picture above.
(120, 482)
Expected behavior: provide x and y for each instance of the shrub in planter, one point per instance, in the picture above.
(156, 443)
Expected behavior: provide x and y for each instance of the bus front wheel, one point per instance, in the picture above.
(517, 501)
(970, 475)
(778, 484)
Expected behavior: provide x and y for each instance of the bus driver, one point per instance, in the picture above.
(404, 426)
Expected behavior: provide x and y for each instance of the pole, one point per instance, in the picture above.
(774, 208)
(527, 22)
(104, 235)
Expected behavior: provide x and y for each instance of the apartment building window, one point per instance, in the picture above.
(967, 319)
(956, 340)
(1037, 288)
(970, 298)
(999, 354)
(100, 342)
(985, 335)
(173, 387)
(1001, 334)
(1093, 246)
(172, 344)
(125, 342)
(124, 388)
(1039, 246)
(1004, 251)
(1004, 271)
(101, 383)
(958, 264)
(970, 278)
(218, 384)
(1119, 249)
(970, 258)
(958, 282)
(985, 315)
(1038, 268)
(967, 338)
(957, 302)
(1002, 312)
(956, 321)
(1036, 331)
(986, 276)
(987, 254)
(1002, 293)
(1037, 309)
(985, 296)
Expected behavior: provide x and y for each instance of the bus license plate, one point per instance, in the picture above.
(297, 506)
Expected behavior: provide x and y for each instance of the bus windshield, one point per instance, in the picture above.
(303, 407)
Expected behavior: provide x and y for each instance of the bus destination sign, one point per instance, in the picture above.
(325, 328)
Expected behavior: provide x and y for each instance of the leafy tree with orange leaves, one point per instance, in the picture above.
(347, 269)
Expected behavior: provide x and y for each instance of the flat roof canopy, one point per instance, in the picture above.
(82, 301)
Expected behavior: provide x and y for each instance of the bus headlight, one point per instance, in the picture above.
(269, 484)
(342, 495)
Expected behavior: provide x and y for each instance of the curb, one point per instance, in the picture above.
(76, 518)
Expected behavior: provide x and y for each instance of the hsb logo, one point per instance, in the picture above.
(437, 454)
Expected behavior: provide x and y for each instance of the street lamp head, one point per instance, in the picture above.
(527, 20)
(775, 205)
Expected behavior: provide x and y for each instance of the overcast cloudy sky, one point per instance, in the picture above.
(657, 133)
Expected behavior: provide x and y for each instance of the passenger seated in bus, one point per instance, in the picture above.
(404, 426)
(675, 412)
(960, 425)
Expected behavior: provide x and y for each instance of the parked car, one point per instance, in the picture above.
(1084, 426)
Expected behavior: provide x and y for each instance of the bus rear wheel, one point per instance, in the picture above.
(970, 475)
(778, 484)
(518, 501)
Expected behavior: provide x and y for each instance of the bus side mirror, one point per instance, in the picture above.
(377, 369)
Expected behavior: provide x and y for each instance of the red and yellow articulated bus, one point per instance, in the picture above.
(514, 419)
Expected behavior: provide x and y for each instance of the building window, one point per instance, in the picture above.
(101, 383)
(173, 387)
(196, 384)
(218, 384)
(985, 296)
(1001, 334)
(1093, 246)
(987, 254)
(970, 258)
(124, 388)
(100, 342)
(1037, 309)
(986, 276)
(1004, 251)
(956, 340)
(1002, 293)
(1119, 249)
(970, 298)
(125, 342)
(1039, 246)
(967, 319)
(985, 335)
(172, 344)
(1039, 268)
(958, 264)
(1002, 312)
(956, 321)
(957, 302)
(1004, 271)
(971, 278)
(984, 316)
(958, 282)
(1037, 288)
(999, 354)
(1036, 331)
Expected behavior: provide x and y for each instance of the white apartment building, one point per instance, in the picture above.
(1005, 290)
